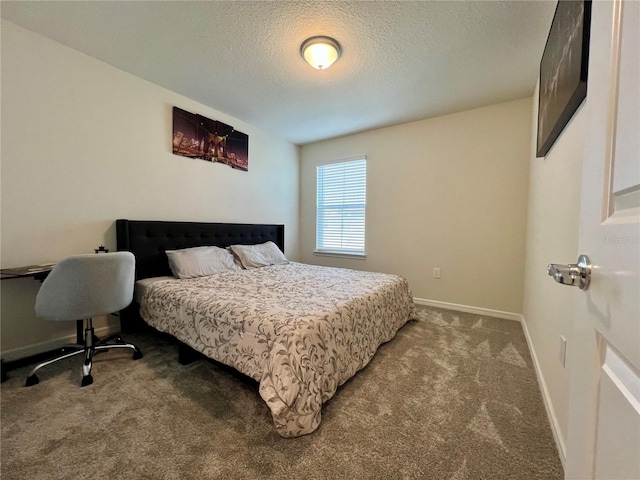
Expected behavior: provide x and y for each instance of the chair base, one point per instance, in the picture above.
(91, 347)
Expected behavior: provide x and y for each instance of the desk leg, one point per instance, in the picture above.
(80, 332)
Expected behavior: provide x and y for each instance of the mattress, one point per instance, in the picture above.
(300, 330)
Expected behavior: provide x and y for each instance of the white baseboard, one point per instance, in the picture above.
(53, 344)
(548, 405)
(469, 309)
(551, 415)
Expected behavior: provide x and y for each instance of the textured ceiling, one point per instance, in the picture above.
(401, 61)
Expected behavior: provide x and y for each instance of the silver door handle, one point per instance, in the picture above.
(574, 274)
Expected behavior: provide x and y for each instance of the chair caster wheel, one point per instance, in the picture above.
(137, 355)
(32, 380)
(86, 380)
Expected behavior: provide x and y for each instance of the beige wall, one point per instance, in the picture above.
(552, 237)
(446, 192)
(84, 143)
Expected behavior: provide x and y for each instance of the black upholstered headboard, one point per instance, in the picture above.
(149, 239)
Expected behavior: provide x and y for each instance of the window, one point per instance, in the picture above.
(341, 201)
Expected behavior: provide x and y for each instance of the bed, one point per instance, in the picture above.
(299, 330)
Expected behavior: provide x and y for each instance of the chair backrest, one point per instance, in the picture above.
(84, 286)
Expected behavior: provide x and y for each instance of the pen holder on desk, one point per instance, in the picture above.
(101, 249)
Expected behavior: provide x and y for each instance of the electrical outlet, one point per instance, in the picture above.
(563, 350)
(436, 272)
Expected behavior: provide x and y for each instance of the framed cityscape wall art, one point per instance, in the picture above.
(563, 71)
(195, 136)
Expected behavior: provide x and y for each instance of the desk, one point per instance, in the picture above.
(39, 273)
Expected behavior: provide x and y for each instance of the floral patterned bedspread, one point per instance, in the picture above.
(300, 330)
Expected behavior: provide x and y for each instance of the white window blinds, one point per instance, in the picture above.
(341, 201)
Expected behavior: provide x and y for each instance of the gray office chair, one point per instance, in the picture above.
(79, 288)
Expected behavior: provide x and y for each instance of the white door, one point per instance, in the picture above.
(603, 438)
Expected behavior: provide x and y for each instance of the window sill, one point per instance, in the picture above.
(354, 256)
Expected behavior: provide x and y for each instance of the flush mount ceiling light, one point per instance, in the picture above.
(320, 52)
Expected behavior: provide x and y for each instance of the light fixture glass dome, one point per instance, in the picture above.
(320, 52)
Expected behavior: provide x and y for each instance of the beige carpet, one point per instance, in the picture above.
(453, 396)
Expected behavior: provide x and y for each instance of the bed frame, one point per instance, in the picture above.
(149, 239)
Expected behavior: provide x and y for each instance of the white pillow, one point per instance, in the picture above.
(200, 261)
(261, 255)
